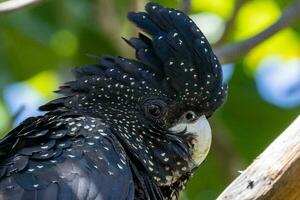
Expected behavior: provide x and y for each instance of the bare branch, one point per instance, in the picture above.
(230, 22)
(12, 5)
(185, 6)
(274, 174)
(236, 50)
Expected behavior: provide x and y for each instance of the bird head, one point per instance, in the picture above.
(157, 104)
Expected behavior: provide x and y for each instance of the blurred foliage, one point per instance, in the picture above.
(249, 22)
(39, 46)
(220, 7)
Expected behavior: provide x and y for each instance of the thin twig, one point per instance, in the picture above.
(231, 52)
(185, 6)
(13, 5)
(230, 22)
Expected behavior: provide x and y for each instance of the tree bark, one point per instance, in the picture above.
(274, 175)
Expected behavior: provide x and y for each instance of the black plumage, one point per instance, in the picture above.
(109, 136)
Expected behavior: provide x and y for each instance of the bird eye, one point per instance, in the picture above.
(190, 115)
(154, 109)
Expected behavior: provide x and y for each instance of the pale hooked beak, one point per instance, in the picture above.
(197, 127)
(202, 137)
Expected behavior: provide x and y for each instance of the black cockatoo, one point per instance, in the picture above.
(125, 128)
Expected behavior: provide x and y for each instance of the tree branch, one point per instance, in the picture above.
(236, 50)
(185, 6)
(12, 5)
(230, 22)
(275, 174)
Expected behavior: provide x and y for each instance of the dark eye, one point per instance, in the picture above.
(190, 115)
(154, 108)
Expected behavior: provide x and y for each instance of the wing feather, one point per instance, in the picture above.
(82, 163)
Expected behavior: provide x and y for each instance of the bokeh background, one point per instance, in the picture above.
(40, 45)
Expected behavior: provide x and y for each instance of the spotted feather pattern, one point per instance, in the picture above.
(98, 140)
(182, 53)
(68, 158)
